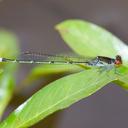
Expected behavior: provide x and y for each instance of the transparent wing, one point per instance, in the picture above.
(39, 57)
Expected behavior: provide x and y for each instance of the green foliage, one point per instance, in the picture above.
(88, 39)
(8, 44)
(45, 69)
(91, 40)
(8, 48)
(6, 87)
(58, 95)
(85, 39)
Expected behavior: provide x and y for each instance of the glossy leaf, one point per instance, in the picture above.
(58, 95)
(91, 40)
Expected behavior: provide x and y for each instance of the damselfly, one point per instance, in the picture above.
(39, 58)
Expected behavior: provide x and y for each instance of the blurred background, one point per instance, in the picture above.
(33, 23)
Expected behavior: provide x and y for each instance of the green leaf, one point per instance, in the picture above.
(88, 39)
(7, 83)
(58, 95)
(47, 69)
(8, 48)
(8, 44)
(122, 84)
(123, 77)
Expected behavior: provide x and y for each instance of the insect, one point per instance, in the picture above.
(39, 58)
(117, 61)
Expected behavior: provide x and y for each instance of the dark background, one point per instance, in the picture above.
(33, 22)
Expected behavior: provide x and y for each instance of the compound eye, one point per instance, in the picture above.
(118, 60)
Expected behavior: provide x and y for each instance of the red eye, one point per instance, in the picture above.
(118, 62)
